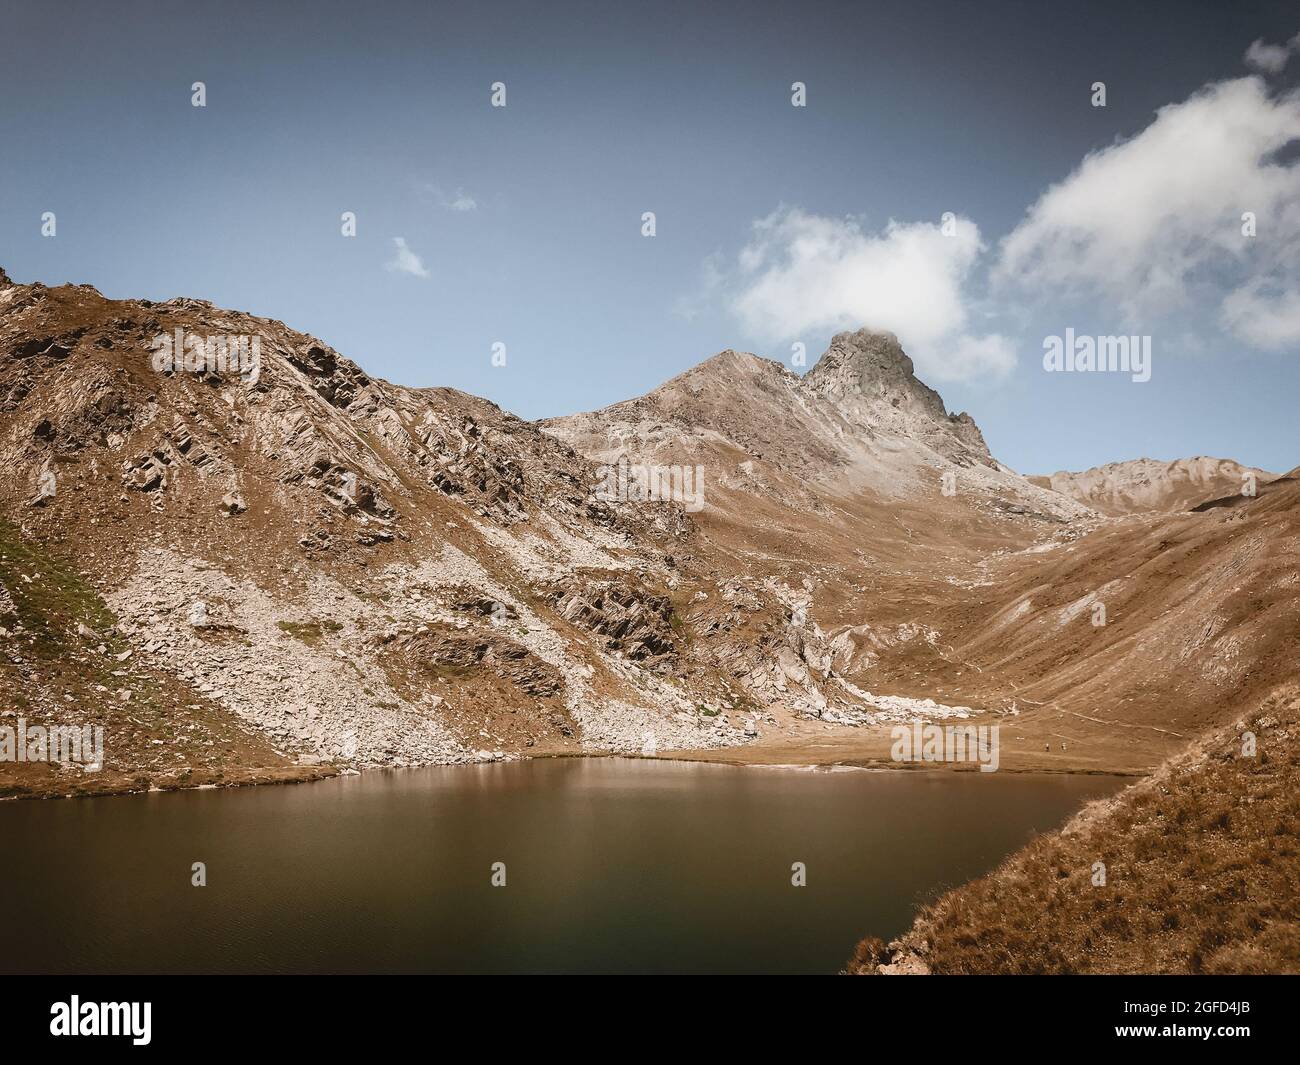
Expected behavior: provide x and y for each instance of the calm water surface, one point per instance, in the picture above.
(612, 865)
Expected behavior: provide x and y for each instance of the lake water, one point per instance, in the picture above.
(611, 865)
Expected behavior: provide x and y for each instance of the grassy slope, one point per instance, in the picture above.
(1202, 875)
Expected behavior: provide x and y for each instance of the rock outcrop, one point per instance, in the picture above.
(871, 382)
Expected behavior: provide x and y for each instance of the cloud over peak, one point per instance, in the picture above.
(1188, 228)
(806, 272)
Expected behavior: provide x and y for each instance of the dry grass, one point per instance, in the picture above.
(1202, 875)
(309, 632)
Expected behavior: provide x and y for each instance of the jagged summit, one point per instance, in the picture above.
(871, 380)
(864, 374)
(872, 366)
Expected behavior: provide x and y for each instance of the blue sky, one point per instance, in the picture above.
(526, 220)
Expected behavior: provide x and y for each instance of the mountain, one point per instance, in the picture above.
(1105, 644)
(1147, 485)
(859, 420)
(251, 560)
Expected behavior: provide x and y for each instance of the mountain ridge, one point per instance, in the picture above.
(1145, 484)
(349, 573)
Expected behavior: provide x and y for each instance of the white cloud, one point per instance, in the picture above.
(1263, 314)
(406, 261)
(1270, 58)
(460, 201)
(803, 272)
(1149, 222)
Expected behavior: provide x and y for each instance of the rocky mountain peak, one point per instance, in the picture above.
(869, 379)
(5, 282)
(872, 366)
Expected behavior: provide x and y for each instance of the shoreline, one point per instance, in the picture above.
(714, 757)
(752, 756)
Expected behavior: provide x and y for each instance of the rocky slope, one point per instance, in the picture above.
(348, 572)
(1147, 485)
